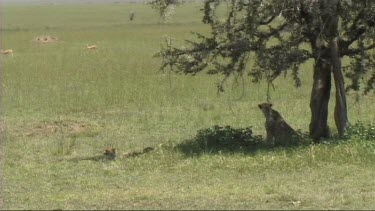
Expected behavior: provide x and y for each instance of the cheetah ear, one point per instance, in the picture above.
(260, 106)
(270, 104)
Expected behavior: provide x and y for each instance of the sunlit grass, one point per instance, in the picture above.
(122, 100)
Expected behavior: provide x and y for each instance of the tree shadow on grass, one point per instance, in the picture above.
(228, 140)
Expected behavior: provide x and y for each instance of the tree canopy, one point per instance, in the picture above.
(279, 36)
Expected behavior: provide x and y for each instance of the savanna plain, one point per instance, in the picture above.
(64, 103)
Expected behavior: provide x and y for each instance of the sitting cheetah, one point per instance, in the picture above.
(279, 133)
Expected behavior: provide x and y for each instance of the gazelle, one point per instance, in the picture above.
(5, 52)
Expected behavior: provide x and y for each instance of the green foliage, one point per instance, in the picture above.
(362, 131)
(221, 139)
(226, 139)
(282, 34)
(164, 7)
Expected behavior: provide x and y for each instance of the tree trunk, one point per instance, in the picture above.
(341, 117)
(330, 60)
(331, 17)
(319, 100)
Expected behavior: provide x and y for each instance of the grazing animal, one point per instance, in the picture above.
(131, 15)
(279, 133)
(91, 47)
(6, 52)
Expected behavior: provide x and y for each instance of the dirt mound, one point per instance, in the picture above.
(46, 39)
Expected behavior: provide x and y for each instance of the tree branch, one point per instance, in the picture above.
(268, 21)
(353, 27)
(350, 52)
(356, 31)
(272, 32)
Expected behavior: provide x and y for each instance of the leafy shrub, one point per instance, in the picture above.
(221, 139)
(362, 131)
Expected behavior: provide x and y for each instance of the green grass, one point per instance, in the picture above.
(116, 97)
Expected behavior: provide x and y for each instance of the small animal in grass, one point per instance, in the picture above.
(91, 47)
(137, 153)
(7, 52)
(110, 153)
(279, 133)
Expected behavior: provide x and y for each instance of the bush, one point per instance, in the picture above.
(362, 131)
(221, 139)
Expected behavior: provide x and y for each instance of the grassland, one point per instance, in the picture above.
(62, 102)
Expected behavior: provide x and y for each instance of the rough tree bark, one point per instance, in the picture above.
(341, 117)
(319, 100)
(332, 20)
(328, 60)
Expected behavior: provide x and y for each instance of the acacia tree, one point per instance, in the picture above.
(164, 7)
(280, 35)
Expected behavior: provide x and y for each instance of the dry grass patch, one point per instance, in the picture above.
(46, 39)
(50, 128)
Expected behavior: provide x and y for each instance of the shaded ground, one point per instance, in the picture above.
(225, 139)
